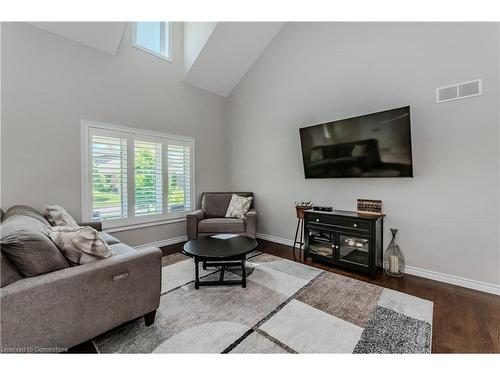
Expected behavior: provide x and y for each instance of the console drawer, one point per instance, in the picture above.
(341, 222)
(353, 224)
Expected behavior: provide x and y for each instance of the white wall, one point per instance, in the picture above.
(448, 215)
(50, 83)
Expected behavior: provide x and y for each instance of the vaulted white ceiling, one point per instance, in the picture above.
(216, 54)
(229, 50)
(103, 36)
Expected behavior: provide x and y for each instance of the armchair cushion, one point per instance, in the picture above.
(221, 225)
(215, 204)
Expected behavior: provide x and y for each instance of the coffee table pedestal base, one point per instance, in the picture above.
(223, 265)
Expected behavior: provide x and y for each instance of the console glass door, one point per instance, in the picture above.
(354, 250)
(321, 242)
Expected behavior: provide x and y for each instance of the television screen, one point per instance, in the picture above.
(374, 145)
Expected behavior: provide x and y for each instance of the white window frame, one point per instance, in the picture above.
(132, 222)
(165, 53)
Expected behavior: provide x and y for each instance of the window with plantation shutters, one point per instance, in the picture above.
(133, 177)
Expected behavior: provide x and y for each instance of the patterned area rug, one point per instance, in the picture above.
(287, 307)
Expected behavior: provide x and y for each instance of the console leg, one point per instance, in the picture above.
(295, 239)
(301, 235)
(149, 318)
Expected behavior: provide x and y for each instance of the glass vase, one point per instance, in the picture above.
(394, 261)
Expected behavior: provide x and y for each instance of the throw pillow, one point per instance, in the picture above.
(80, 245)
(57, 216)
(26, 244)
(20, 210)
(238, 206)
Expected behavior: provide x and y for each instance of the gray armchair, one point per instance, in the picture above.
(210, 219)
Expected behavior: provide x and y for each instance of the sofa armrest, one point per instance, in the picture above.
(97, 225)
(67, 307)
(251, 223)
(192, 220)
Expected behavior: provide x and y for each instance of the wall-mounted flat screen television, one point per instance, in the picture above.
(373, 145)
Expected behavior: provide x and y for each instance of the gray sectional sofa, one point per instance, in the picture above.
(210, 219)
(51, 306)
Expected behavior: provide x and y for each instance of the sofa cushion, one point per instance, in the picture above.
(58, 216)
(25, 242)
(8, 271)
(110, 240)
(121, 248)
(221, 225)
(80, 245)
(216, 204)
(25, 211)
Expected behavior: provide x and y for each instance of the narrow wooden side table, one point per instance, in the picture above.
(300, 225)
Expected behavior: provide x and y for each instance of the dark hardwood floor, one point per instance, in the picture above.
(464, 321)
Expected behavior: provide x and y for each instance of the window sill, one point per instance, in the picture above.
(143, 225)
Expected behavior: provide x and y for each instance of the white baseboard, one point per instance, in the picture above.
(427, 274)
(455, 280)
(166, 242)
(279, 240)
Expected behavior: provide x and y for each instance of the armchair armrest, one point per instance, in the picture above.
(97, 225)
(192, 220)
(251, 223)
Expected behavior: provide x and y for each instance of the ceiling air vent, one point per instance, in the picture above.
(459, 91)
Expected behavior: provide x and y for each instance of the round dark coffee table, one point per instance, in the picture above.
(220, 253)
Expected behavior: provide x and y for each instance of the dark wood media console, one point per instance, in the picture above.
(344, 238)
